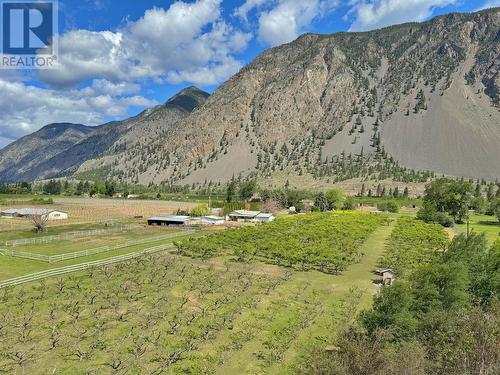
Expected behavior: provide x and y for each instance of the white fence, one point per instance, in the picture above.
(82, 266)
(84, 253)
(66, 236)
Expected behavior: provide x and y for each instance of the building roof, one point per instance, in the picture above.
(386, 270)
(212, 218)
(245, 213)
(29, 211)
(264, 216)
(170, 218)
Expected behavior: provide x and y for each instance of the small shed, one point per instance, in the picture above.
(388, 276)
(169, 221)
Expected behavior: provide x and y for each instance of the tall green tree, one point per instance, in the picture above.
(247, 189)
(335, 198)
(231, 190)
(449, 196)
(321, 203)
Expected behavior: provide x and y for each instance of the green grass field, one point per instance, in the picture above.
(21, 229)
(488, 225)
(87, 243)
(11, 267)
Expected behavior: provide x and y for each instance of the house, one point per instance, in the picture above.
(243, 215)
(251, 216)
(212, 220)
(118, 195)
(42, 212)
(170, 220)
(388, 276)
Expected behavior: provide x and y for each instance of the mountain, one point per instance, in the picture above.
(371, 105)
(385, 104)
(59, 149)
(28, 153)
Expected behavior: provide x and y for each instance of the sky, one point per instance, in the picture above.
(117, 58)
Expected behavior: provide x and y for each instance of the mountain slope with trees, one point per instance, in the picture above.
(376, 105)
(59, 149)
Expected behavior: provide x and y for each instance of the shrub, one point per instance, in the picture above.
(349, 204)
(201, 210)
(389, 206)
(429, 214)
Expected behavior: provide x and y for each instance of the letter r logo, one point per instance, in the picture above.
(27, 27)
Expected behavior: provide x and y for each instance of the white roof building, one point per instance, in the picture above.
(251, 216)
(265, 218)
(212, 220)
(43, 212)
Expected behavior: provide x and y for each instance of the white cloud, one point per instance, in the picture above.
(26, 108)
(185, 40)
(373, 14)
(281, 21)
(188, 42)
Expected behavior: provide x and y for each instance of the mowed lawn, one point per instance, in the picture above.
(19, 229)
(87, 243)
(488, 225)
(11, 267)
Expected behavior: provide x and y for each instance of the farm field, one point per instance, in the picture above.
(111, 238)
(22, 229)
(11, 267)
(413, 243)
(328, 242)
(173, 314)
(89, 210)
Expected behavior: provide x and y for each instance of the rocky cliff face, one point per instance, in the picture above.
(426, 95)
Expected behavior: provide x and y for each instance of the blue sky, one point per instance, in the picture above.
(119, 57)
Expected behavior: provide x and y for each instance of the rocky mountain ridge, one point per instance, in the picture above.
(60, 149)
(374, 105)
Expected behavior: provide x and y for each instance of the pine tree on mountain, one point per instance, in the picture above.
(395, 193)
(406, 192)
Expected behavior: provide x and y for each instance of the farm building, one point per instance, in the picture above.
(212, 220)
(42, 212)
(251, 216)
(170, 220)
